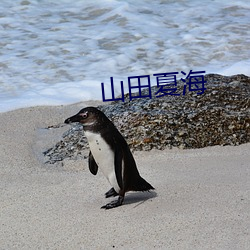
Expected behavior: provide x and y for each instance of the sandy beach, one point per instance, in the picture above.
(201, 198)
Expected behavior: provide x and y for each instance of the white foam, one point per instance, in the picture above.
(56, 94)
(242, 67)
(59, 52)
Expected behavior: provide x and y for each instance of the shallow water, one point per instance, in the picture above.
(59, 52)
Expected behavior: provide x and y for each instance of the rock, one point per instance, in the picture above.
(219, 116)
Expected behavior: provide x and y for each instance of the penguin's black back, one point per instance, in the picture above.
(132, 180)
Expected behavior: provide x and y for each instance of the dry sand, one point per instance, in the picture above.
(201, 201)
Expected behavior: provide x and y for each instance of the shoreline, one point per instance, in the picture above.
(201, 198)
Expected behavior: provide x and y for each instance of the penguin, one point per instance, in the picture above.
(110, 152)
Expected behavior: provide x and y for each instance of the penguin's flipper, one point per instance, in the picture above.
(93, 167)
(118, 166)
(111, 193)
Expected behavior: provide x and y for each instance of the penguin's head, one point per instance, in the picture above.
(88, 117)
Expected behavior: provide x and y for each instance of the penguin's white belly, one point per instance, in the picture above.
(104, 157)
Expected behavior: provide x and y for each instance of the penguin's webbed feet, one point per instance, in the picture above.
(111, 193)
(113, 204)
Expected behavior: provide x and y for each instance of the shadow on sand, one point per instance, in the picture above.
(138, 198)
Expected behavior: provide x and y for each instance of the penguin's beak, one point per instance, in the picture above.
(74, 118)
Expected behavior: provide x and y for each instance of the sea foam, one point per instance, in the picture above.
(56, 53)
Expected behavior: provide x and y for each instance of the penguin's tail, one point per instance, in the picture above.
(141, 185)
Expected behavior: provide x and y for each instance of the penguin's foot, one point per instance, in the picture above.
(113, 204)
(111, 193)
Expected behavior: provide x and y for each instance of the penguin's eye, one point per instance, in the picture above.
(84, 115)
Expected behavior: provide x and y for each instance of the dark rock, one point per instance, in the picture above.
(219, 116)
